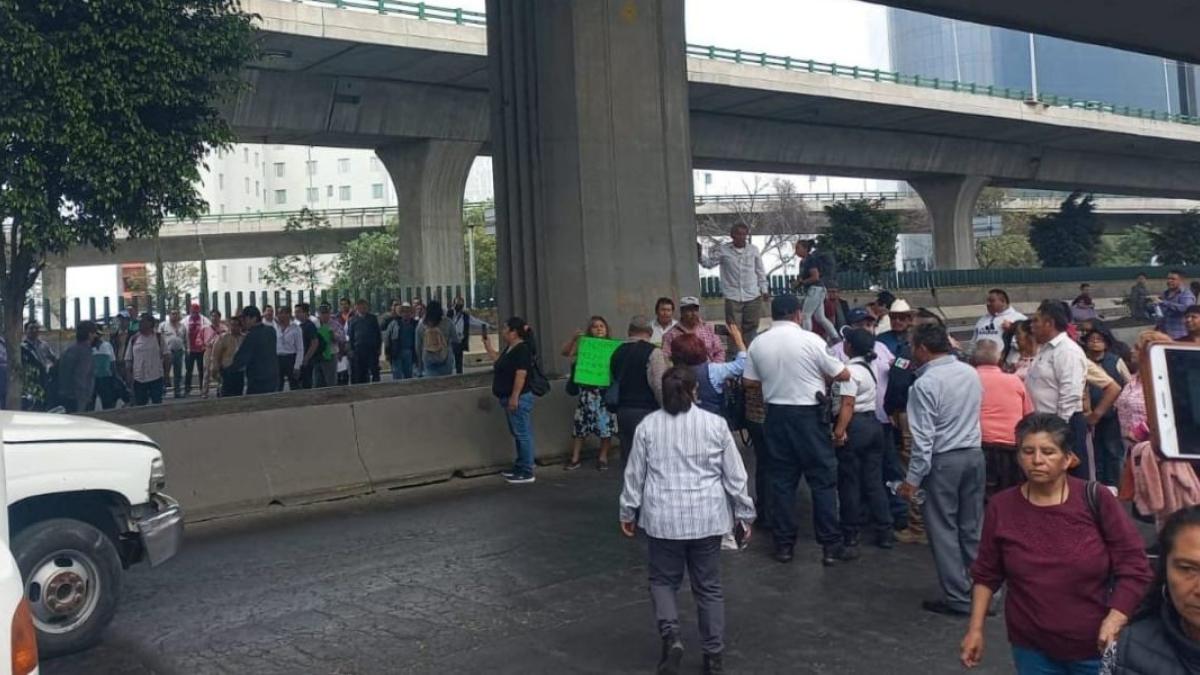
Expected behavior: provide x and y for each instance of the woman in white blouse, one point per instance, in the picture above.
(683, 472)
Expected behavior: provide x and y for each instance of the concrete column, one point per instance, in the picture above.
(951, 204)
(54, 289)
(592, 160)
(429, 176)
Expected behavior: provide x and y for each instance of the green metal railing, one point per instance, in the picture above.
(425, 12)
(710, 287)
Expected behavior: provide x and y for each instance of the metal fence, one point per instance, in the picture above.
(710, 287)
(63, 313)
(423, 11)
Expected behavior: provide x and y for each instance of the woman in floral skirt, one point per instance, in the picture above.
(592, 417)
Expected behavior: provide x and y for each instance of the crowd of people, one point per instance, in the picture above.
(139, 360)
(1017, 456)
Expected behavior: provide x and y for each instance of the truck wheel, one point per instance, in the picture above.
(72, 577)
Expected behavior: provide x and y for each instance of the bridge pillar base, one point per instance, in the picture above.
(429, 176)
(592, 162)
(951, 204)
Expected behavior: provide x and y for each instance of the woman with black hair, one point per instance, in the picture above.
(1020, 349)
(683, 473)
(512, 377)
(1107, 444)
(435, 337)
(1164, 638)
(858, 439)
(1068, 553)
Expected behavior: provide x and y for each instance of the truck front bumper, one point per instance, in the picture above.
(161, 534)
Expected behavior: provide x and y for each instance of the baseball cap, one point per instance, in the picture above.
(689, 301)
(858, 315)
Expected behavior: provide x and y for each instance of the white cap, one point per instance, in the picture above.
(900, 306)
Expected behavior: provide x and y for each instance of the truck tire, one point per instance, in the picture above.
(72, 577)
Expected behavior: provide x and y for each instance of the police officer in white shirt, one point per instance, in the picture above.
(1000, 315)
(858, 437)
(794, 369)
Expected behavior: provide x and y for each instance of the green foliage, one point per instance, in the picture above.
(1006, 251)
(485, 251)
(108, 107)
(305, 269)
(1129, 249)
(1069, 238)
(370, 260)
(174, 280)
(861, 236)
(1177, 243)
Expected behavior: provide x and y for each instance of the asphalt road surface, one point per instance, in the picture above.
(477, 576)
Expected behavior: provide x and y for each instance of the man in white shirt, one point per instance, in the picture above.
(999, 317)
(289, 348)
(664, 320)
(743, 279)
(1056, 378)
(794, 369)
(174, 332)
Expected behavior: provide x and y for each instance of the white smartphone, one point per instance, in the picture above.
(1175, 387)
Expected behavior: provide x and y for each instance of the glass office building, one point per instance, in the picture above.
(955, 50)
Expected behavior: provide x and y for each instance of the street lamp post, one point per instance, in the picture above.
(471, 259)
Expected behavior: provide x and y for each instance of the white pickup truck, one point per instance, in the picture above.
(85, 502)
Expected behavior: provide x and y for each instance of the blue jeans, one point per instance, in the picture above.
(438, 369)
(402, 368)
(1032, 662)
(520, 425)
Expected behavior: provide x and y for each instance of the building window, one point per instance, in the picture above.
(329, 192)
(221, 181)
(375, 164)
(312, 195)
(249, 275)
(707, 178)
(279, 169)
(377, 191)
(312, 167)
(257, 188)
(344, 193)
(256, 160)
(221, 208)
(281, 196)
(344, 165)
(245, 155)
(246, 182)
(224, 273)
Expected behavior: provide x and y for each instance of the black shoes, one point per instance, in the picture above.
(784, 554)
(885, 539)
(832, 555)
(672, 655)
(713, 664)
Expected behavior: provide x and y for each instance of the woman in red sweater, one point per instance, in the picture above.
(1074, 564)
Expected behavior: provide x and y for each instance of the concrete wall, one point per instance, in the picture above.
(229, 456)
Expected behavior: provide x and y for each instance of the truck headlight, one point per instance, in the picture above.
(158, 475)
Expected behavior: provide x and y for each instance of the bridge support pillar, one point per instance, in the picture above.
(951, 204)
(429, 176)
(592, 159)
(54, 289)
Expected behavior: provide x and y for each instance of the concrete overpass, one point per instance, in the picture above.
(417, 92)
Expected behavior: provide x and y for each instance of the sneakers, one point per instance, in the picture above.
(572, 466)
(832, 555)
(713, 664)
(942, 607)
(514, 477)
(672, 655)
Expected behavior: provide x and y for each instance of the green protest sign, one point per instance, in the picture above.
(592, 361)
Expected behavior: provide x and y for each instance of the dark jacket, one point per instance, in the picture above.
(629, 363)
(1156, 645)
(401, 337)
(256, 357)
(364, 334)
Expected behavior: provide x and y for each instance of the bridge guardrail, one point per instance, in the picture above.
(426, 12)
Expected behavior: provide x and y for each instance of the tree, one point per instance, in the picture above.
(108, 109)
(1070, 237)
(1176, 242)
(305, 268)
(178, 279)
(475, 221)
(370, 260)
(775, 213)
(1131, 248)
(862, 236)
(1008, 250)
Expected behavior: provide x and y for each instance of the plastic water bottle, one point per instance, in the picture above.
(918, 497)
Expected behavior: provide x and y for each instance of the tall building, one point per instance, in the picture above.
(933, 46)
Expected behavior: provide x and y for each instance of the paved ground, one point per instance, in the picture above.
(478, 576)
